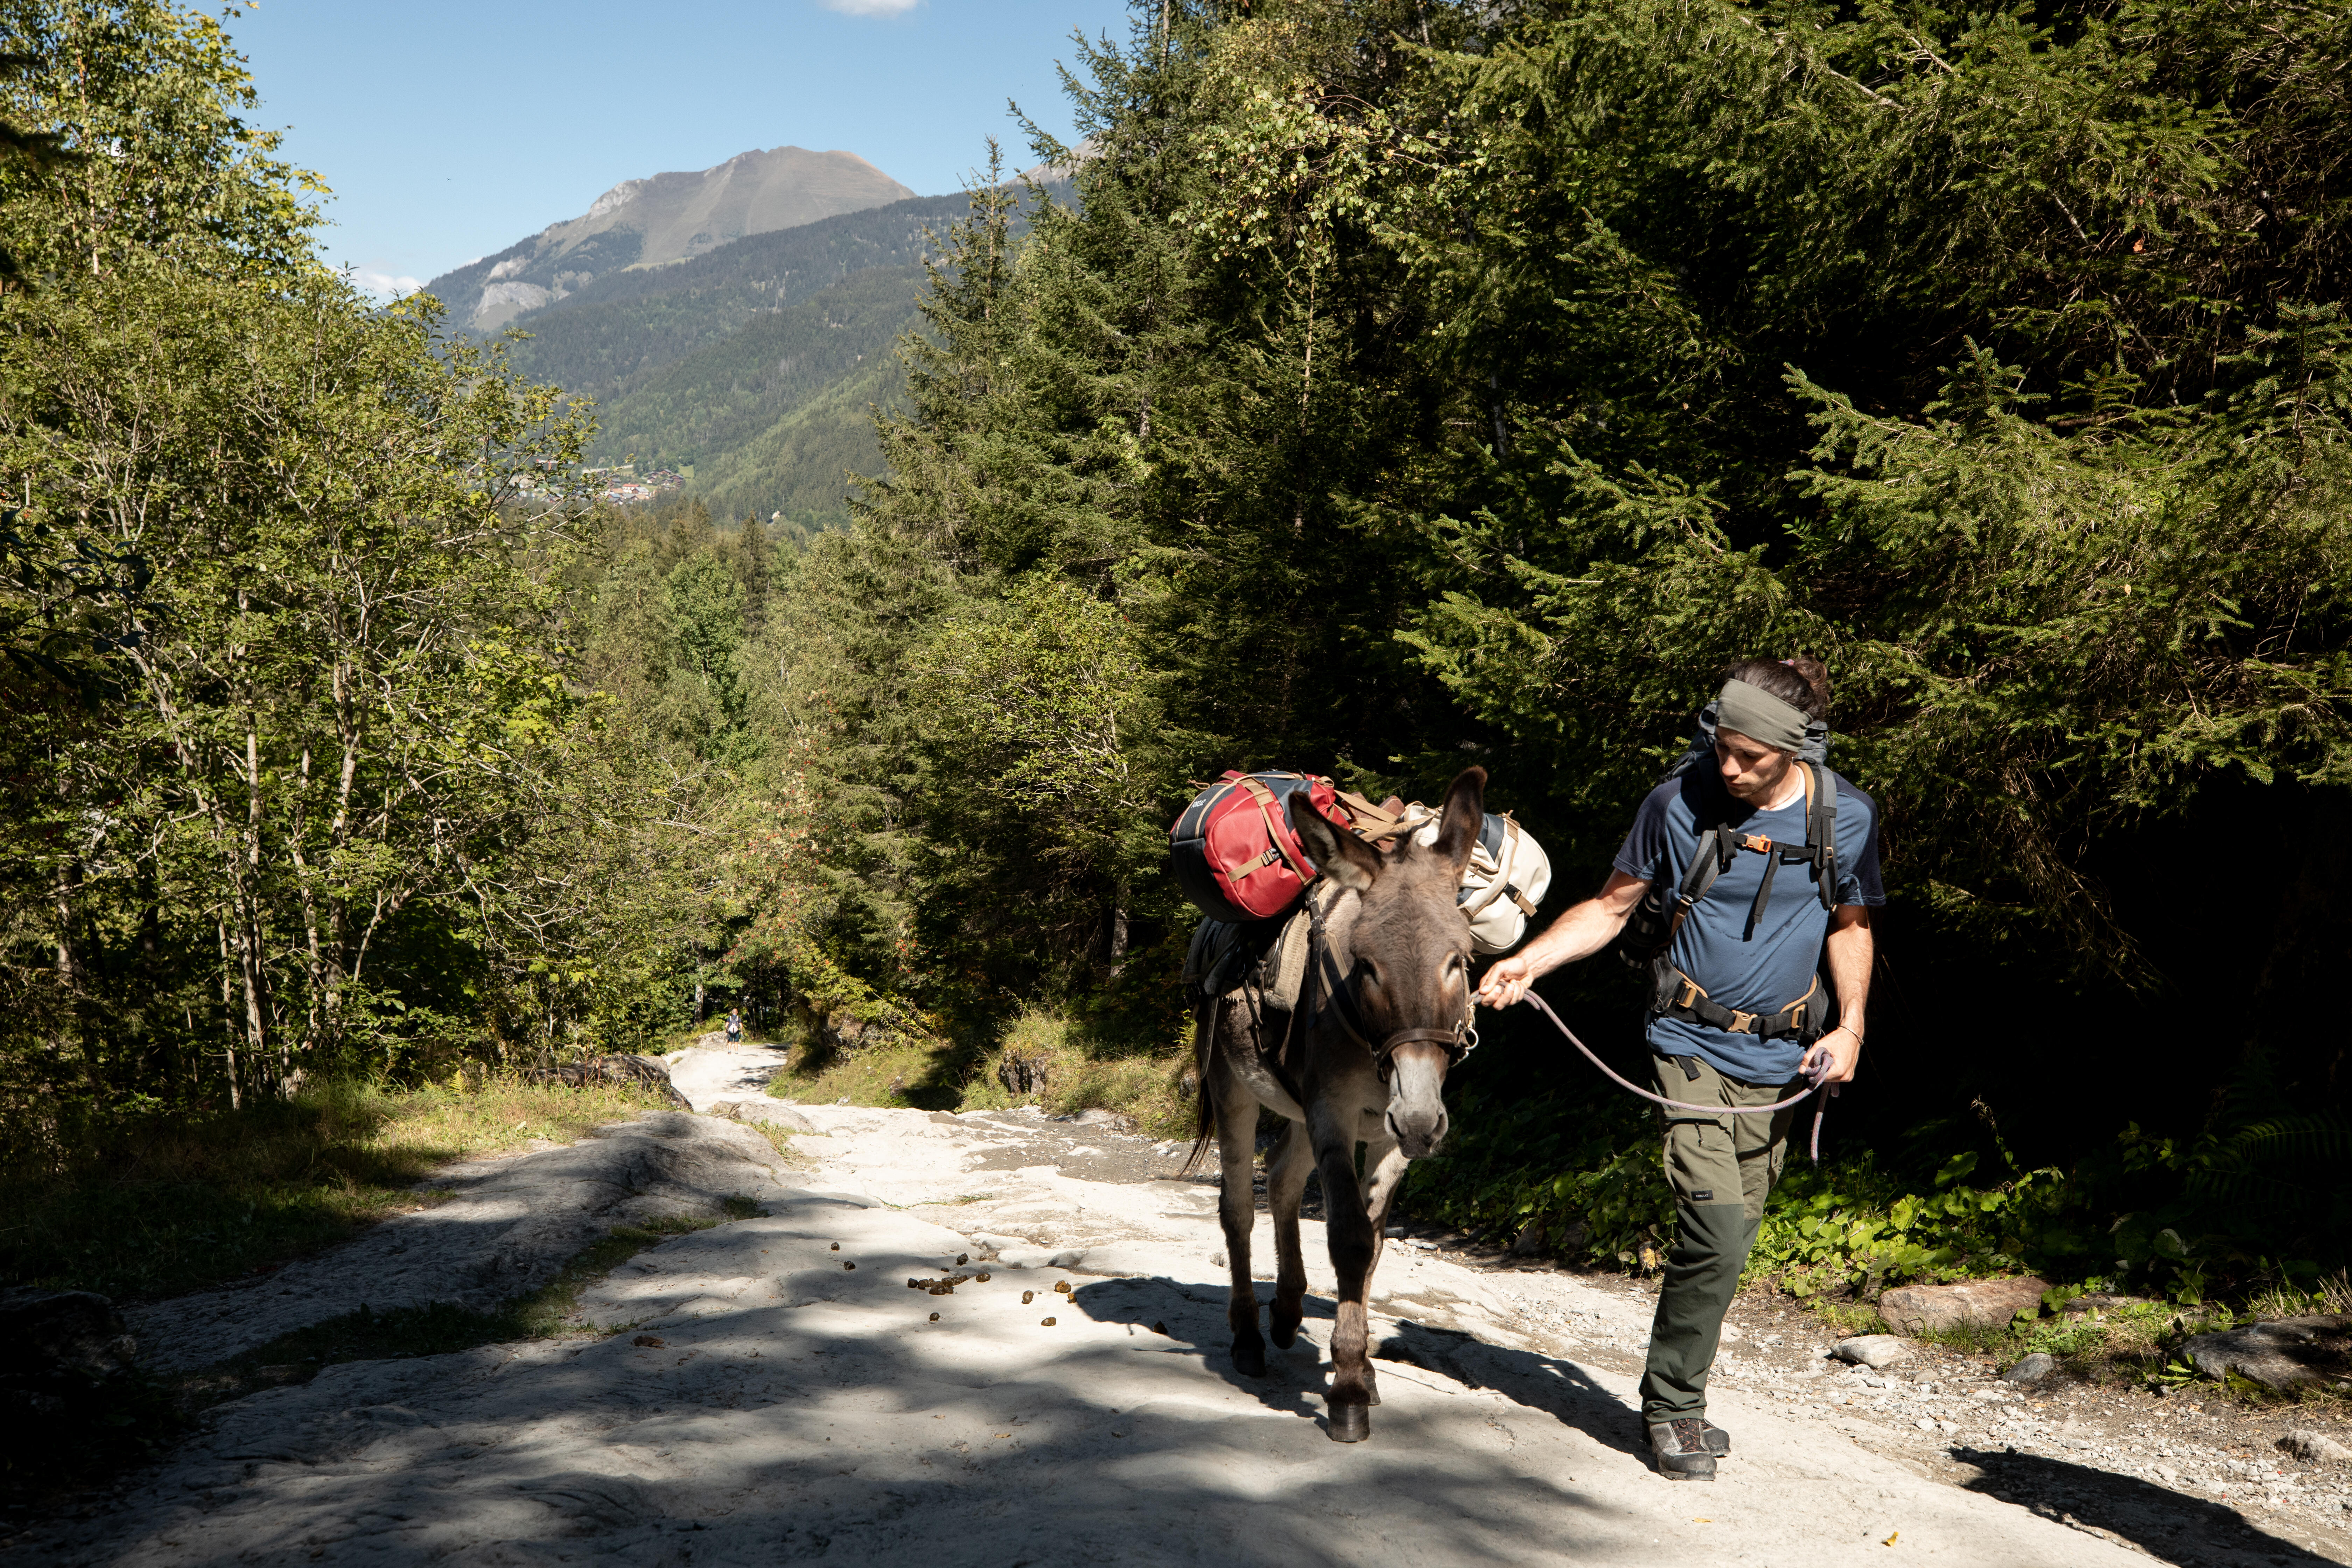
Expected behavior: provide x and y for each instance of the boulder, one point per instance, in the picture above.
(1530, 1242)
(2281, 1354)
(1873, 1350)
(55, 1347)
(641, 1072)
(52, 1333)
(1971, 1304)
(1021, 1073)
(2030, 1371)
(2316, 1446)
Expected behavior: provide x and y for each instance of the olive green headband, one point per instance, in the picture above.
(1760, 716)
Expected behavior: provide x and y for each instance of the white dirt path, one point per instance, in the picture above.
(769, 1402)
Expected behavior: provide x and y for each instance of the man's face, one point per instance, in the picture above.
(1752, 771)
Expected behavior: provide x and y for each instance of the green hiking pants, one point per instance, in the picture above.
(1721, 1168)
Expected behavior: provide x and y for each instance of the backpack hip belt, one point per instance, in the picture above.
(1678, 996)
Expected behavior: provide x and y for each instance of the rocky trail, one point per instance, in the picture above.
(1053, 1388)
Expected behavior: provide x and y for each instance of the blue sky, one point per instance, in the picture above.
(449, 130)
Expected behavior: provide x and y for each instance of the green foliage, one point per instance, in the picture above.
(298, 777)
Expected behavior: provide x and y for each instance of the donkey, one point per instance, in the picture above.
(1384, 1012)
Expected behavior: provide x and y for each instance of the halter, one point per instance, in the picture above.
(1459, 1041)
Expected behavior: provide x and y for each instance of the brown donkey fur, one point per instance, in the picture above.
(1397, 936)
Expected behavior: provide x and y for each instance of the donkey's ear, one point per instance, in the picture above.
(1465, 815)
(1338, 855)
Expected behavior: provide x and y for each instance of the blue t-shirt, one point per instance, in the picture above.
(1766, 972)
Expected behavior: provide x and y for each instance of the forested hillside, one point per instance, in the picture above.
(626, 324)
(1405, 385)
(755, 367)
(773, 416)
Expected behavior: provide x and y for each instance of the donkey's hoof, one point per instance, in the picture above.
(1284, 1335)
(1371, 1390)
(1350, 1423)
(1249, 1357)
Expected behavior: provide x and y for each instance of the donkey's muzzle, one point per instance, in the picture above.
(1416, 1114)
(1417, 1133)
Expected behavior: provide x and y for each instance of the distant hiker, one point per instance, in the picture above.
(1736, 1007)
(734, 1026)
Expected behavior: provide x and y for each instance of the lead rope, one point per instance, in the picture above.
(1816, 1073)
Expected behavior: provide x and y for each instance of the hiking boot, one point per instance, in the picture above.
(1681, 1449)
(1718, 1441)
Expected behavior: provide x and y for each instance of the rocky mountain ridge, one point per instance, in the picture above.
(645, 224)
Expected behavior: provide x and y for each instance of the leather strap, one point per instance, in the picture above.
(1264, 799)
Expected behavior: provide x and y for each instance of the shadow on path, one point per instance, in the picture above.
(2193, 1532)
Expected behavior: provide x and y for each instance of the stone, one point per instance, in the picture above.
(640, 1072)
(1529, 1242)
(48, 1335)
(1021, 1073)
(2317, 1448)
(2279, 1354)
(2030, 1371)
(1972, 1304)
(1873, 1350)
(2102, 1302)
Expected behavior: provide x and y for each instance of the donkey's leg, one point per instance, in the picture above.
(1237, 1208)
(1349, 1231)
(1384, 1169)
(1285, 1182)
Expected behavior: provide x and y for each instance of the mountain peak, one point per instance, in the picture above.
(662, 218)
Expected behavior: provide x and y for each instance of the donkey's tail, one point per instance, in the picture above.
(1204, 1039)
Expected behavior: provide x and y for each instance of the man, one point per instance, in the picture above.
(1736, 1011)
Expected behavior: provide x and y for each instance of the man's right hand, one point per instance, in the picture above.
(1507, 982)
(1583, 930)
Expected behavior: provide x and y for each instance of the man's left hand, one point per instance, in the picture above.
(1842, 1048)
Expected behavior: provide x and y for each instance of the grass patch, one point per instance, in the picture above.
(168, 1205)
(899, 1075)
(1071, 1068)
(1847, 1319)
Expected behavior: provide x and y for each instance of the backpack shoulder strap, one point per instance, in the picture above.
(1713, 852)
(1821, 829)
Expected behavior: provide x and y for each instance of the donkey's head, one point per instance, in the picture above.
(1405, 949)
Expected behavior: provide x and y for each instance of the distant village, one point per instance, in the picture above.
(620, 484)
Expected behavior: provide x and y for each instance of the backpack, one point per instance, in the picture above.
(1233, 852)
(1650, 928)
(1508, 876)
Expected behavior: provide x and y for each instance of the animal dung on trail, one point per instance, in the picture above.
(982, 1278)
(1062, 1287)
(1044, 1323)
(935, 1317)
(647, 1341)
(846, 1264)
(1159, 1328)
(962, 1258)
(836, 1246)
(1028, 1297)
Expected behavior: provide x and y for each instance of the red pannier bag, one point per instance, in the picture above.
(1234, 853)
